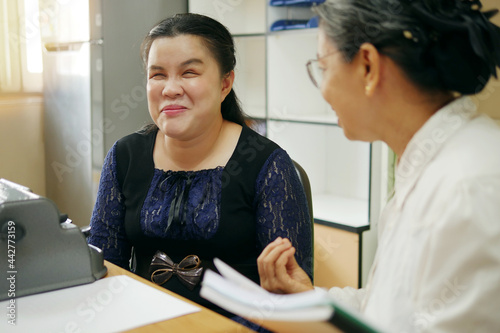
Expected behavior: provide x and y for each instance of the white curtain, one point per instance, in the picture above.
(10, 47)
(20, 47)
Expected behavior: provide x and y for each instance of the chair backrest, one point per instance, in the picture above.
(304, 179)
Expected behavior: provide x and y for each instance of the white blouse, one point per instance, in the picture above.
(437, 266)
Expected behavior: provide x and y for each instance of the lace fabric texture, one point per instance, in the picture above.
(185, 205)
(282, 210)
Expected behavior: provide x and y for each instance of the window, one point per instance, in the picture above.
(20, 45)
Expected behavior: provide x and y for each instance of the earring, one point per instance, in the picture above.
(368, 90)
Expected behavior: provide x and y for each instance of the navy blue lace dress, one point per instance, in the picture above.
(229, 212)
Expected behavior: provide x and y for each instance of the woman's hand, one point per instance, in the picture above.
(279, 271)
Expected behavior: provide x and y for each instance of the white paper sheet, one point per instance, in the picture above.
(112, 304)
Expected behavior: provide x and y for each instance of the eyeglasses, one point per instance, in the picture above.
(315, 72)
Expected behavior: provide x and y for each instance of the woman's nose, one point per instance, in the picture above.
(172, 88)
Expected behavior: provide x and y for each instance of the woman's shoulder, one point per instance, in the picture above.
(137, 146)
(250, 139)
(134, 156)
(252, 153)
(476, 144)
(257, 150)
(141, 137)
(137, 143)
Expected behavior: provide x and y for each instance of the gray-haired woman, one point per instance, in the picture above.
(399, 72)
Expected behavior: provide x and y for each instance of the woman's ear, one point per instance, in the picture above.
(227, 85)
(370, 59)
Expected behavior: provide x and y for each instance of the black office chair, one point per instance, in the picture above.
(304, 179)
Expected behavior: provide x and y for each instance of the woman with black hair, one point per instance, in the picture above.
(399, 71)
(197, 183)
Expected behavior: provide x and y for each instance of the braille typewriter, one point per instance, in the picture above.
(40, 249)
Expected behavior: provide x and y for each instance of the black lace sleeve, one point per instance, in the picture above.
(107, 223)
(282, 208)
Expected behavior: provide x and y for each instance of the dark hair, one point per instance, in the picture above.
(216, 38)
(441, 45)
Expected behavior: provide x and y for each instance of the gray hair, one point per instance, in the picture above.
(350, 23)
(434, 58)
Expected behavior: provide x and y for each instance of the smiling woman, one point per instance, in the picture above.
(197, 183)
(185, 92)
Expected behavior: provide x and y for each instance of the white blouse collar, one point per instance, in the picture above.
(426, 143)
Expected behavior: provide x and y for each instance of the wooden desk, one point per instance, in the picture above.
(203, 321)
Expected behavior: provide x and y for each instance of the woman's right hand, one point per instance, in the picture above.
(279, 271)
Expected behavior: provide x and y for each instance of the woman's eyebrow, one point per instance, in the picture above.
(155, 68)
(183, 64)
(191, 61)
